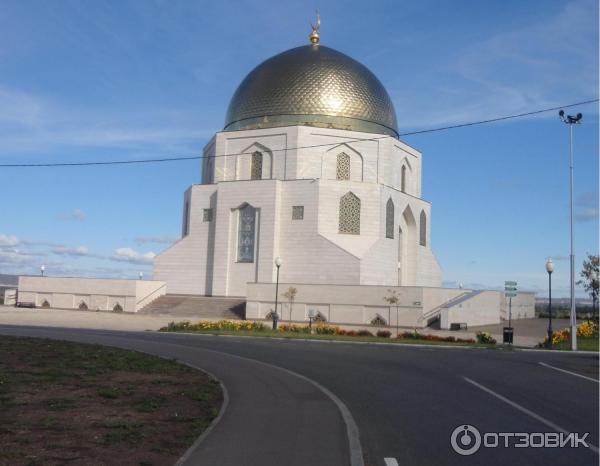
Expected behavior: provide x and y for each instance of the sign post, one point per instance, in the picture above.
(510, 291)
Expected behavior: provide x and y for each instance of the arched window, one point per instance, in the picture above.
(350, 214)
(246, 232)
(378, 321)
(83, 306)
(117, 308)
(389, 219)
(186, 218)
(403, 179)
(343, 167)
(45, 304)
(257, 165)
(319, 318)
(423, 229)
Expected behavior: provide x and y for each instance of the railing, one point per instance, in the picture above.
(436, 310)
(150, 297)
(10, 297)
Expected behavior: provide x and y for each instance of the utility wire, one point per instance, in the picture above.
(198, 157)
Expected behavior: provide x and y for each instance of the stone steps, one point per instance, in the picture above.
(200, 307)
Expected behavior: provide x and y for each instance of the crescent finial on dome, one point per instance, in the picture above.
(314, 35)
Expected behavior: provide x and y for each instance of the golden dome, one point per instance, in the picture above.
(312, 85)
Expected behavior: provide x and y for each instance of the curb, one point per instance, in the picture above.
(181, 461)
(352, 432)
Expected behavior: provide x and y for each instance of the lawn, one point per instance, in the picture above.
(583, 344)
(69, 403)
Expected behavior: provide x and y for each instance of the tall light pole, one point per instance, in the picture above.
(594, 293)
(571, 120)
(278, 262)
(549, 269)
(42, 269)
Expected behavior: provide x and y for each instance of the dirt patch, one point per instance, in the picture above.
(74, 404)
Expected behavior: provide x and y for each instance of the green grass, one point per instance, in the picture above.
(59, 399)
(308, 336)
(583, 344)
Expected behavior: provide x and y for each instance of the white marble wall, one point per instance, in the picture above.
(205, 260)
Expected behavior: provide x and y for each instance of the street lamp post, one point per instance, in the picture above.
(571, 120)
(549, 269)
(278, 262)
(594, 293)
(42, 269)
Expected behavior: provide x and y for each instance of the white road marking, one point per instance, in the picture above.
(390, 461)
(569, 372)
(525, 410)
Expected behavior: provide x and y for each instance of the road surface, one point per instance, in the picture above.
(406, 401)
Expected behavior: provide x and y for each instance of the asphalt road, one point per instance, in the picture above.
(406, 401)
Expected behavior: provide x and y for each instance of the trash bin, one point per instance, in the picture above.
(507, 335)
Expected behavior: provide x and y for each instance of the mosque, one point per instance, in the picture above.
(307, 188)
(308, 168)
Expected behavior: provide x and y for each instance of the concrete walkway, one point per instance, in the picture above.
(84, 319)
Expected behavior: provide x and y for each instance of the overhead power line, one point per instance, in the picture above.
(198, 157)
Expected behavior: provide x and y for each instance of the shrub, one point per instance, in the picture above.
(486, 338)
(324, 329)
(384, 333)
(231, 325)
(587, 329)
(364, 333)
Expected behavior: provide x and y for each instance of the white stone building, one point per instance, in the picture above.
(308, 168)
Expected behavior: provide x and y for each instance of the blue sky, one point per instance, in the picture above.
(96, 80)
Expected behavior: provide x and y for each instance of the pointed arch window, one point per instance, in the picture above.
(256, 166)
(186, 218)
(342, 171)
(246, 233)
(403, 179)
(350, 214)
(389, 219)
(423, 229)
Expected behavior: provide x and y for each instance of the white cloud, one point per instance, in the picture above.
(586, 215)
(164, 239)
(76, 251)
(8, 241)
(513, 71)
(132, 256)
(77, 215)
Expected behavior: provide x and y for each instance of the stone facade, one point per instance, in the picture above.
(93, 294)
(344, 182)
(418, 306)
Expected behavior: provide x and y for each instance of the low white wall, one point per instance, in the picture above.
(349, 304)
(523, 306)
(481, 309)
(97, 294)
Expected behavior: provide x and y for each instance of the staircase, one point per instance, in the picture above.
(432, 316)
(199, 307)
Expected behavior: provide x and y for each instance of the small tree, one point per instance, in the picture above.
(589, 278)
(393, 299)
(290, 294)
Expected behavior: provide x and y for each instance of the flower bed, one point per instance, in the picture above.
(420, 336)
(318, 329)
(232, 325)
(587, 329)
